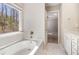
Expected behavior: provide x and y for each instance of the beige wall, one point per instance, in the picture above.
(34, 20)
(69, 17)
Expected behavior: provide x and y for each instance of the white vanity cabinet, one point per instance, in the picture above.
(74, 48)
(67, 43)
(78, 45)
(71, 43)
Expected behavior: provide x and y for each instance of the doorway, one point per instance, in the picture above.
(52, 27)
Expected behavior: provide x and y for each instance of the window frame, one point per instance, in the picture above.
(20, 11)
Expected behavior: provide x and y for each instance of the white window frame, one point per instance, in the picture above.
(20, 10)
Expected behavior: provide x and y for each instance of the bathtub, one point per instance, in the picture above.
(25, 47)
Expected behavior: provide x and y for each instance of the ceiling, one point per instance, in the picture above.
(52, 4)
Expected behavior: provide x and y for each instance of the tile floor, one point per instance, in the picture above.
(53, 49)
(52, 38)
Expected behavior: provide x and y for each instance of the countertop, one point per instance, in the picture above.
(72, 33)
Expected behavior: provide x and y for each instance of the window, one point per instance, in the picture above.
(9, 19)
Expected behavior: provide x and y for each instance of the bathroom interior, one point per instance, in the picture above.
(52, 23)
(39, 29)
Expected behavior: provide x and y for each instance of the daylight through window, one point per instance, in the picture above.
(9, 19)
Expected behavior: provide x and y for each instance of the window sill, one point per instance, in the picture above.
(9, 34)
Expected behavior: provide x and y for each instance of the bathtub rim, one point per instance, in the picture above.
(31, 53)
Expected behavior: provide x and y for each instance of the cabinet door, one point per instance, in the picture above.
(74, 46)
(78, 46)
(67, 44)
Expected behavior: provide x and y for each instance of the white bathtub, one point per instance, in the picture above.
(25, 47)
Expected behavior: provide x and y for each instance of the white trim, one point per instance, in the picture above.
(59, 27)
(54, 11)
(8, 34)
(12, 5)
(20, 21)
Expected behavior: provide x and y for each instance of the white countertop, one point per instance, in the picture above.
(76, 32)
(72, 33)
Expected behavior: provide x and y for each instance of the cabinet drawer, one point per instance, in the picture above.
(74, 53)
(78, 52)
(74, 41)
(74, 49)
(74, 46)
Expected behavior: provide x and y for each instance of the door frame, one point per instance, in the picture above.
(59, 27)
